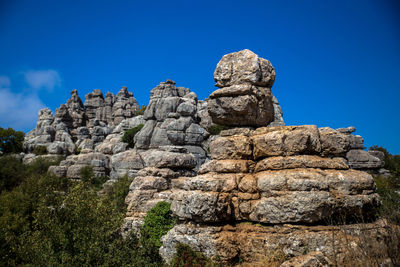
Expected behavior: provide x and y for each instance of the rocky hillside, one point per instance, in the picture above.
(255, 189)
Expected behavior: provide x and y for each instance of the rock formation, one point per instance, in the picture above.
(257, 188)
(244, 97)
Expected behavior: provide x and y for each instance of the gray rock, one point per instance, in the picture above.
(244, 67)
(361, 159)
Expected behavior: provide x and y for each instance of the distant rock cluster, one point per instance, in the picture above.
(75, 124)
(293, 180)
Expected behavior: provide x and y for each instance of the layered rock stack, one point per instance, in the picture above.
(272, 189)
(273, 176)
(168, 146)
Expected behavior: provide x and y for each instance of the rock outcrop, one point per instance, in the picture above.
(244, 97)
(255, 189)
(271, 175)
(81, 125)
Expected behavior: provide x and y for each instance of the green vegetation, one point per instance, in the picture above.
(78, 150)
(129, 135)
(50, 221)
(13, 171)
(40, 150)
(392, 162)
(389, 187)
(216, 129)
(11, 141)
(141, 110)
(157, 223)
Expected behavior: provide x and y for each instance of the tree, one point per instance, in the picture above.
(11, 141)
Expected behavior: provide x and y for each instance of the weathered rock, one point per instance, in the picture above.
(255, 109)
(128, 162)
(288, 140)
(233, 147)
(244, 67)
(312, 259)
(125, 106)
(259, 245)
(301, 161)
(361, 159)
(333, 142)
(245, 97)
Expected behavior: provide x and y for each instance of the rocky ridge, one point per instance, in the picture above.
(294, 180)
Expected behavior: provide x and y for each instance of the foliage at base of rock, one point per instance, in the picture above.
(40, 150)
(216, 129)
(157, 223)
(51, 221)
(129, 135)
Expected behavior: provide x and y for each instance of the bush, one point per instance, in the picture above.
(11, 141)
(158, 222)
(118, 191)
(12, 172)
(41, 165)
(388, 189)
(216, 129)
(78, 150)
(40, 150)
(129, 135)
(48, 221)
(141, 110)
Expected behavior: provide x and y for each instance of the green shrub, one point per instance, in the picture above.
(186, 256)
(78, 150)
(216, 129)
(11, 141)
(388, 190)
(41, 165)
(141, 110)
(118, 191)
(40, 150)
(158, 222)
(12, 172)
(129, 135)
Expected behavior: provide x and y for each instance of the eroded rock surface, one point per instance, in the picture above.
(244, 97)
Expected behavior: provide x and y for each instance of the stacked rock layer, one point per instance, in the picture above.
(271, 175)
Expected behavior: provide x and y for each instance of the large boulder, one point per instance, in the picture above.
(244, 97)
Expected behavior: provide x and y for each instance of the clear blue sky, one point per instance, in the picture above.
(337, 62)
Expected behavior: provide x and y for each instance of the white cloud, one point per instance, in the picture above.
(19, 111)
(39, 79)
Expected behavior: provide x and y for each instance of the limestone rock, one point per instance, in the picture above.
(289, 140)
(244, 67)
(244, 97)
(125, 106)
(301, 161)
(361, 159)
(128, 162)
(333, 142)
(257, 245)
(255, 109)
